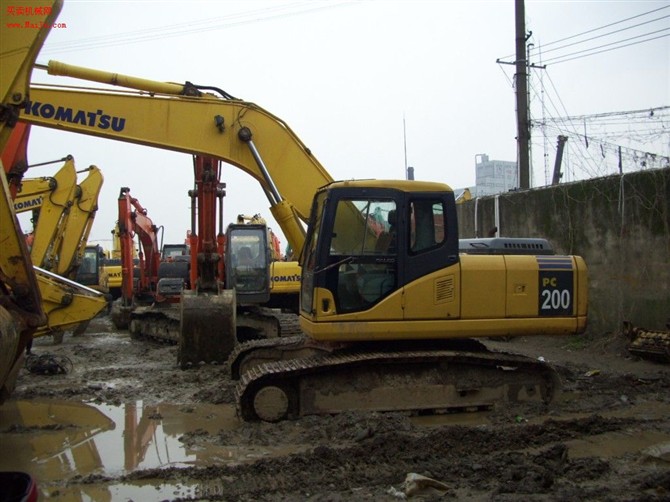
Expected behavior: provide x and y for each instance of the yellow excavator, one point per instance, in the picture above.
(390, 306)
(111, 265)
(284, 274)
(21, 310)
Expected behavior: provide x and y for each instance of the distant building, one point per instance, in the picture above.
(494, 176)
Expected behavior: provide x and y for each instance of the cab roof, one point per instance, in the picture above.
(402, 185)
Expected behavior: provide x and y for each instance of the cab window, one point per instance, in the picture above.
(427, 225)
(363, 255)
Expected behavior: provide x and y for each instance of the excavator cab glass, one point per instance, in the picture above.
(248, 263)
(361, 260)
(88, 272)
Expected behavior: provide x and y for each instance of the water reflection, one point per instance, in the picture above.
(55, 440)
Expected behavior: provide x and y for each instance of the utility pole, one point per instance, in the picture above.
(521, 81)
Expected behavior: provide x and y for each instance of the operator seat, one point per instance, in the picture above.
(386, 242)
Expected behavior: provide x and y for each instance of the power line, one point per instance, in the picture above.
(608, 25)
(600, 36)
(562, 59)
(194, 27)
(647, 111)
(534, 52)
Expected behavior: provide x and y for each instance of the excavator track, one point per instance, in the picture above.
(416, 381)
(163, 324)
(255, 352)
(262, 322)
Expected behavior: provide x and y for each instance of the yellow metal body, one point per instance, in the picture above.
(479, 297)
(476, 296)
(54, 197)
(285, 278)
(113, 272)
(464, 196)
(20, 302)
(203, 125)
(79, 223)
(114, 278)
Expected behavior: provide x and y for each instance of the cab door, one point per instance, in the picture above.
(430, 256)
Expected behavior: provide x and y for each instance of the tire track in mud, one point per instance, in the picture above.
(492, 462)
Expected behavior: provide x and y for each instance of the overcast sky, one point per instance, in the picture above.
(353, 79)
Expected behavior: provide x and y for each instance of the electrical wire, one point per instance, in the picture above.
(193, 27)
(592, 30)
(607, 26)
(567, 57)
(533, 51)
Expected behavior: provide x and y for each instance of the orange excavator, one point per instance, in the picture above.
(209, 265)
(139, 284)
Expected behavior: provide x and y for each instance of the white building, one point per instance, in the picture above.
(494, 176)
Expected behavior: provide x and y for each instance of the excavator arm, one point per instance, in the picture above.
(181, 118)
(53, 196)
(133, 221)
(66, 214)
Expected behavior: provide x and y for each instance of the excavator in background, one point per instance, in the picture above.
(208, 263)
(464, 196)
(21, 311)
(140, 294)
(92, 271)
(63, 214)
(111, 265)
(389, 323)
(284, 274)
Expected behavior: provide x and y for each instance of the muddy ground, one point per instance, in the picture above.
(606, 438)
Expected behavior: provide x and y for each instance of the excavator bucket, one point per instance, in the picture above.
(207, 328)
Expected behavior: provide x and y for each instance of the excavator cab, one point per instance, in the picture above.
(90, 272)
(365, 243)
(248, 263)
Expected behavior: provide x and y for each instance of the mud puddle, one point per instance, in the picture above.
(56, 441)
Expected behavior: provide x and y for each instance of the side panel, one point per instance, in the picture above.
(522, 286)
(436, 296)
(483, 287)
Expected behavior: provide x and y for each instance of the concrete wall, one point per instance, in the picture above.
(620, 225)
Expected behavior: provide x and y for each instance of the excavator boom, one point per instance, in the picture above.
(201, 125)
